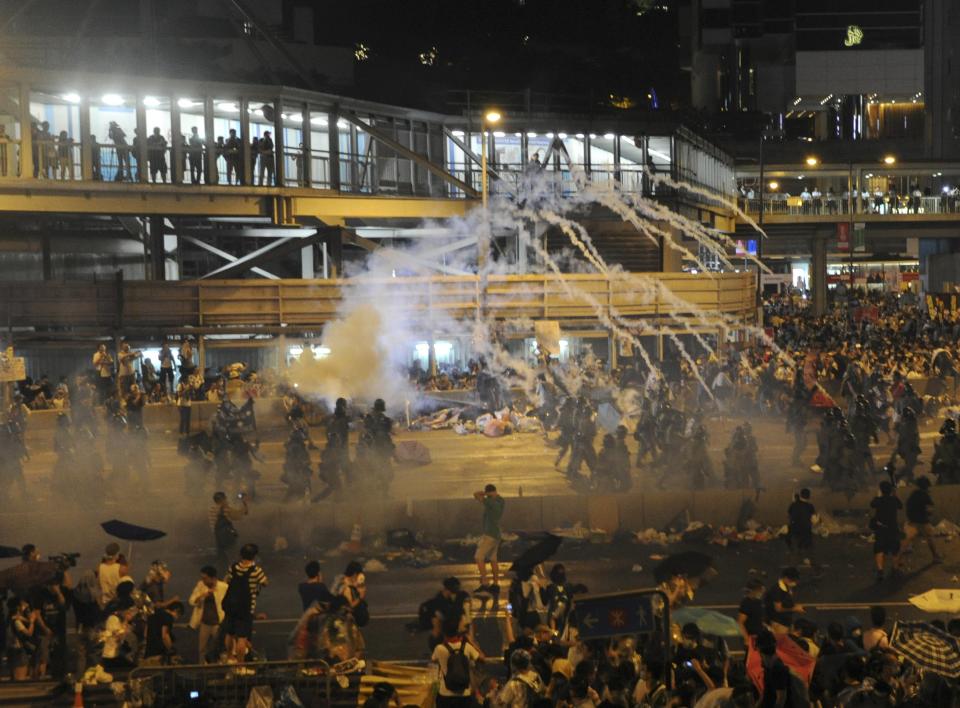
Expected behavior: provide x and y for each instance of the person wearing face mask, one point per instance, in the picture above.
(779, 603)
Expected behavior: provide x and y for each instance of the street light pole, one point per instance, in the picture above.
(490, 117)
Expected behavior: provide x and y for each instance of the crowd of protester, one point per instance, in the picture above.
(781, 657)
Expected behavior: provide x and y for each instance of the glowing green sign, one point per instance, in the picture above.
(854, 36)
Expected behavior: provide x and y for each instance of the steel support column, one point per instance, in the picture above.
(86, 145)
(158, 254)
(140, 152)
(279, 148)
(246, 156)
(177, 154)
(333, 145)
(211, 141)
(26, 133)
(819, 274)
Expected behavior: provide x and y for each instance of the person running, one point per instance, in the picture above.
(919, 511)
(886, 529)
(493, 505)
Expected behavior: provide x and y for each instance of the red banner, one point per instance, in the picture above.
(843, 236)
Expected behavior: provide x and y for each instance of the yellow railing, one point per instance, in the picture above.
(299, 305)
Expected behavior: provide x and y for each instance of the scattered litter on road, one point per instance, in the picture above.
(374, 566)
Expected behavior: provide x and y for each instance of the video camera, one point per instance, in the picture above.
(64, 561)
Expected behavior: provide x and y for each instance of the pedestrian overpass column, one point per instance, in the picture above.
(818, 274)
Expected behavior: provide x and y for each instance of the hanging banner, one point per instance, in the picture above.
(859, 237)
(843, 236)
(548, 336)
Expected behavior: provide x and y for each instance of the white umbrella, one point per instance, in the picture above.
(945, 600)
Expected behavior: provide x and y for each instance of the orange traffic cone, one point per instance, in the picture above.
(78, 694)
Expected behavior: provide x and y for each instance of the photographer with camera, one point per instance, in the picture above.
(125, 361)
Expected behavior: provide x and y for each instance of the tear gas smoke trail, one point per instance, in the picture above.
(593, 302)
(582, 242)
(610, 196)
(710, 239)
(686, 186)
(623, 322)
(612, 202)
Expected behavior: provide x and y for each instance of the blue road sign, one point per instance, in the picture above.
(613, 615)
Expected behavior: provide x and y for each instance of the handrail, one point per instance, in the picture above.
(258, 305)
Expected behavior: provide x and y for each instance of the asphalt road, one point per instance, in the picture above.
(461, 463)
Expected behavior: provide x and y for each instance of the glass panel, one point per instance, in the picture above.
(226, 126)
(262, 155)
(9, 131)
(293, 165)
(320, 146)
(56, 153)
(113, 120)
(159, 138)
(193, 136)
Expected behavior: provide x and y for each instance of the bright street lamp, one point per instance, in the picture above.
(490, 117)
(773, 186)
(889, 160)
(812, 161)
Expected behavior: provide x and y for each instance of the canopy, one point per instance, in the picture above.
(929, 648)
(131, 532)
(938, 600)
(709, 621)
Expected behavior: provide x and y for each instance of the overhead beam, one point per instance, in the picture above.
(250, 260)
(279, 249)
(409, 154)
(251, 232)
(226, 256)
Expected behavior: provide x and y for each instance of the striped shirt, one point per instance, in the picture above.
(256, 579)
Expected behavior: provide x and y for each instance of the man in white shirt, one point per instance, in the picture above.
(126, 376)
(454, 685)
(103, 363)
(109, 573)
(207, 603)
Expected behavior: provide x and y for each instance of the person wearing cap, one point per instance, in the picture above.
(919, 510)
(886, 529)
(779, 603)
(109, 573)
(489, 543)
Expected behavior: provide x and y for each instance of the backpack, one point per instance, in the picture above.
(531, 692)
(457, 676)
(224, 531)
(237, 599)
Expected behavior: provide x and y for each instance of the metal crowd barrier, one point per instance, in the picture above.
(316, 683)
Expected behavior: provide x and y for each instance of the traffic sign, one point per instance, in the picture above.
(618, 614)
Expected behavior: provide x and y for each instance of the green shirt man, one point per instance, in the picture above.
(493, 505)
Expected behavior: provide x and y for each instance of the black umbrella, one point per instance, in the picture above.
(23, 577)
(542, 550)
(131, 532)
(9, 552)
(691, 564)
